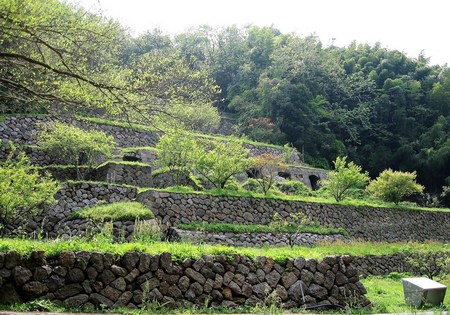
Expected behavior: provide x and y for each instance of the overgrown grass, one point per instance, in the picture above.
(116, 123)
(123, 210)
(135, 149)
(386, 294)
(181, 251)
(3, 116)
(122, 163)
(259, 228)
(62, 167)
(140, 127)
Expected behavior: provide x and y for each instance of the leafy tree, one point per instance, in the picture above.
(344, 177)
(168, 92)
(23, 190)
(63, 58)
(394, 185)
(266, 167)
(54, 52)
(68, 144)
(430, 264)
(220, 160)
(177, 151)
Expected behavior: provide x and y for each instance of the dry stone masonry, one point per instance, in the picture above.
(252, 239)
(55, 220)
(94, 280)
(375, 224)
(23, 131)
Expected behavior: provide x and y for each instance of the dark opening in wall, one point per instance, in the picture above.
(313, 179)
(132, 158)
(285, 175)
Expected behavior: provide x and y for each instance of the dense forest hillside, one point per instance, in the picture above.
(378, 106)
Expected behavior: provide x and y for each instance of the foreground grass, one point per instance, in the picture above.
(117, 211)
(386, 294)
(181, 251)
(259, 228)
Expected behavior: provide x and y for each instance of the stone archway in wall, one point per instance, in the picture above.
(314, 181)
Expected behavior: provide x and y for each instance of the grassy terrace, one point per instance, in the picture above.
(258, 228)
(140, 127)
(386, 295)
(124, 210)
(180, 251)
(313, 199)
(249, 194)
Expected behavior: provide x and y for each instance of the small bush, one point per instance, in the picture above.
(232, 184)
(146, 232)
(294, 188)
(118, 211)
(394, 185)
(252, 185)
(23, 190)
(67, 144)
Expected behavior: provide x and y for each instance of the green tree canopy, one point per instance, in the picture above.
(177, 151)
(344, 177)
(219, 160)
(23, 190)
(63, 58)
(68, 144)
(394, 185)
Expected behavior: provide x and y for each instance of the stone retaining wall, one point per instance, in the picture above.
(400, 262)
(129, 174)
(95, 281)
(375, 224)
(22, 131)
(55, 220)
(252, 239)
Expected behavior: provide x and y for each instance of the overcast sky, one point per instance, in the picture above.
(408, 26)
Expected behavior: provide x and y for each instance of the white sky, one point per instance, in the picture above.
(408, 26)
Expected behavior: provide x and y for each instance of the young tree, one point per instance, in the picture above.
(344, 177)
(266, 168)
(177, 150)
(68, 144)
(23, 190)
(394, 185)
(220, 160)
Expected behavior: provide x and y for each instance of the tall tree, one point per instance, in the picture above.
(62, 57)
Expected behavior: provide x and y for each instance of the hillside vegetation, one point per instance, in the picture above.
(280, 88)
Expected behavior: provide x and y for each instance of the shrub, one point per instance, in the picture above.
(294, 187)
(266, 168)
(252, 185)
(177, 152)
(394, 185)
(23, 190)
(343, 178)
(68, 144)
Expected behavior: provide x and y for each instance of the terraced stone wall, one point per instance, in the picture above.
(22, 130)
(375, 224)
(55, 219)
(94, 280)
